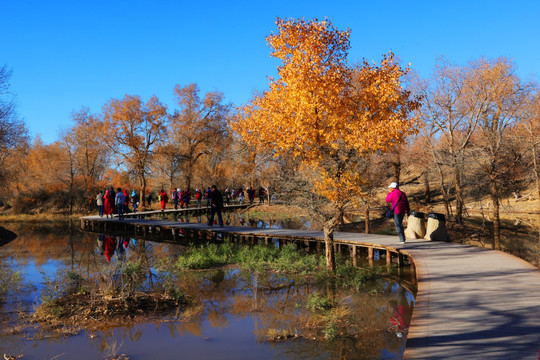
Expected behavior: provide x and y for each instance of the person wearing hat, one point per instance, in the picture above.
(400, 205)
(175, 197)
(198, 197)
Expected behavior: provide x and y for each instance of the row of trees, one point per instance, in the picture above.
(325, 132)
(130, 142)
(482, 125)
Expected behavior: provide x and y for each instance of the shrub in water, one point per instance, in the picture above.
(318, 302)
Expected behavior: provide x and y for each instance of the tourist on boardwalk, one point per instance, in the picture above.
(149, 200)
(227, 196)
(233, 194)
(120, 201)
(207, 197)
(400, 205)
(198, 197)
(216, 201)
(163, 199)
(262, 193)
(251, 195)
(108, 202)
(126, 202)
(181, 197)
(186, 195)
(99, 203)
(241, 196)
(134, 201)
(175, 197)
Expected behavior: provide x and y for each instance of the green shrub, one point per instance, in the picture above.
(331, 330)
(256, 258)
(318, 302)
(133, 276)
(206, 256)
(10, 283)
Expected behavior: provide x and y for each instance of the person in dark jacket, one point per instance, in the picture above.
(216, 204)
(120, 201)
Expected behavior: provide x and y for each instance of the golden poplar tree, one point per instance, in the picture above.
(325, 113)
(132, 129)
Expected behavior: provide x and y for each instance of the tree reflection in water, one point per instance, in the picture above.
(278, 305)
(272, 305)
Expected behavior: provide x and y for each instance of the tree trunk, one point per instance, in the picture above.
(142, 196)
(328, 228)
(496, 218)
(427, 189)
(71, 186)
(329, 246)
(396, 165)
(189, 174)
(171, 180)
(444, 191)
(459, 196)
(366, 220)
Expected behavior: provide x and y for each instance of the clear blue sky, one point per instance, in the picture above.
(69, 54)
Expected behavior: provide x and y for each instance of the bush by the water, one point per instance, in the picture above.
(287, 259)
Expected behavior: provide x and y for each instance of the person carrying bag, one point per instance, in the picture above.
(400, 207)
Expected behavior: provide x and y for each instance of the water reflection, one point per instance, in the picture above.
(236, 314)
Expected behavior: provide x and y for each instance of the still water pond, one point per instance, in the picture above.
(238, 309)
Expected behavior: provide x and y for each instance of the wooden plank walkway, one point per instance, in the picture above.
(471, 303)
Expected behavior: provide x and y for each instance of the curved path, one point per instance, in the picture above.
(472, 303)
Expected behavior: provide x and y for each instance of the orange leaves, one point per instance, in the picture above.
(322, 111)
(132, 129)
(134, 124)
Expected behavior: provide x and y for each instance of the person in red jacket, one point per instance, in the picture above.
(108, 202)
(399, 203)
(164, 198)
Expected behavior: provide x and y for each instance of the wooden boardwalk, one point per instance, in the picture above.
(471, 303)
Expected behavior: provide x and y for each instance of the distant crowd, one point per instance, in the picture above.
(120, 202)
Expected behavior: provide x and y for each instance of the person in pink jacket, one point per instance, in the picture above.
(399, 202)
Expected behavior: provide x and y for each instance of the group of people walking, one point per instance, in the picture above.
(182, 198)
(239, 195)
(109, 202)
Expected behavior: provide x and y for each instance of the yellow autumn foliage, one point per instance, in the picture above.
(323, 111)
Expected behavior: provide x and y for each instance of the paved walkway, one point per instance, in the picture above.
(471, 303)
